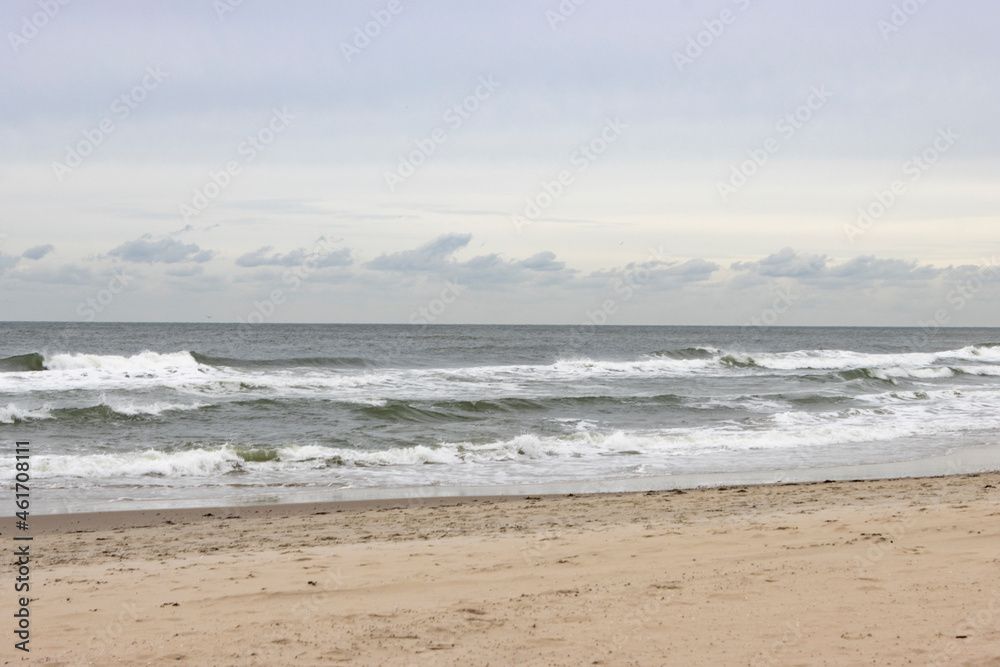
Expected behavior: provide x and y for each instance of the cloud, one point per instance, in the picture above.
(977, 273)
(38, 251)
(7, 262)
(693, 270)
(819, 271)
(166, 251)
(185, 271)
(785, 263)
(655, 272)
(69, 274)
(543, 261)
(203, 283)
(431, 256)
(869, 268)
(483, 271)
(493, 272)
(297, 257)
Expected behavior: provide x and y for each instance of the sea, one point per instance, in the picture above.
(124, 416)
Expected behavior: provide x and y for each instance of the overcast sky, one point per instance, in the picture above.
(669, 162)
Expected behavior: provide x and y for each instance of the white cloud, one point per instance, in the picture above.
(297, 257)
(431, 256)
(68, 274)
(7, 262)
(165, 250)
(786, 263)
(38, 251)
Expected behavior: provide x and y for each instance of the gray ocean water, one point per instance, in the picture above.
(122, 413)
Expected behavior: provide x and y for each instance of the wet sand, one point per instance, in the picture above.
(884, 572)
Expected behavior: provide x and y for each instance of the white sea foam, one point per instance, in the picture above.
(12, 414)
(144, 362)
(194, 462)
(834, 360)
(979, 370)
(892, 416)
(891, 372)
(156, 408)
(181, 372)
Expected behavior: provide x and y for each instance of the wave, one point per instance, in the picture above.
(881, 366)
(294, 362)
(208, 462)
(879, 417)
(22, 363)
(786, 430)
(15, 415)
(352, 379)
(430, 411)
(194, 462)
(155, 409)
(889, 374)
(144, 362)
(690, 357)
(656, 365)
(848, 360)
(687, 353)
(118, 409)
(977, 370)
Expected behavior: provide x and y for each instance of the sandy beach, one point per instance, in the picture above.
(877, 572)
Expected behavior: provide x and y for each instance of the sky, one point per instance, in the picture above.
(717, 162)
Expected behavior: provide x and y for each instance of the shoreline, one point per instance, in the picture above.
(962, 461)
(856, 571)
(119, 519)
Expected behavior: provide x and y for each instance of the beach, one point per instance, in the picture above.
(487, 334)
(881, 572)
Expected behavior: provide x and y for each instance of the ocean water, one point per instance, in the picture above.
(119, 414)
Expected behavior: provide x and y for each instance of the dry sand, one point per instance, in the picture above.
(884, 572)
